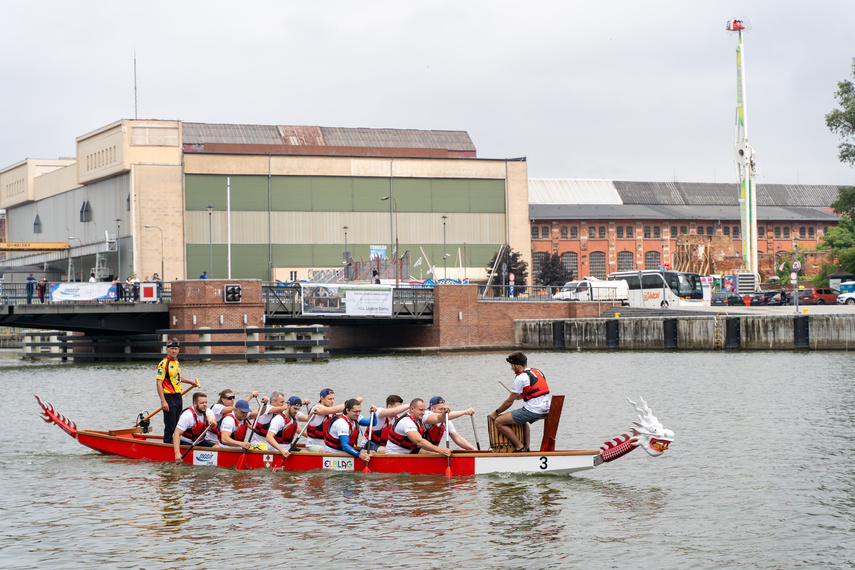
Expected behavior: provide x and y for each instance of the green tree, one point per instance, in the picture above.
(516, 265)
(821, 278)
(841, 236)
(842, 121)
(847, 260)
(553, 273)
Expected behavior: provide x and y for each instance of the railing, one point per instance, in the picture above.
(534, 293)
(16, 294)
(286, 301)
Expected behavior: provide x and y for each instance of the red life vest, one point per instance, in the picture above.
(537, 385)
(353, 432)
(403, 440)
(318, 431)
(240, 427)
(286, 434)
(380, 436)
(434, 433)
(199, 423)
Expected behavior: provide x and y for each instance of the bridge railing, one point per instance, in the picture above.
(16, 294)
(286, 301)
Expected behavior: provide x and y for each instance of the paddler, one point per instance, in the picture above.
(321, 414)
(406, 435)
(530, 387)
(278, 405)
(343, 433)
(385, 420)
(233, 426)
(283, 427)
(192, 424)
(435, 423)
(169, 389)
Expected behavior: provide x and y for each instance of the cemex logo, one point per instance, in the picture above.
(232, 293)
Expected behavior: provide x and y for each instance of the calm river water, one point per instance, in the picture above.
(761, 474)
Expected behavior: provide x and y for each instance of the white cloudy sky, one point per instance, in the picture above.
(632, 90)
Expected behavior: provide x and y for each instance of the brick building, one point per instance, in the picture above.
(601, 226)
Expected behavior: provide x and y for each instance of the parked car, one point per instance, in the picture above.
(819, 296)
(761, 297)
(780, 298)
(846, 299)
(727, 299)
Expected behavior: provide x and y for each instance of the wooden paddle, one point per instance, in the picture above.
(157, 411)
(506, 388)
(294, 444)
(475, 431)
(241, 463)
(447, 457)
(198, 439)
(368, 441)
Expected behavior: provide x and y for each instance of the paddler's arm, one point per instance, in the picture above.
(388, 412)
(456, 414)
(344, 439)
(275, 444)
(512, 397)
(414, 436)
(176, 444)
(227, 440)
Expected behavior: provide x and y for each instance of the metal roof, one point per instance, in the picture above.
(571, 191)
(201, 133)
(658, 212)
(398, 138)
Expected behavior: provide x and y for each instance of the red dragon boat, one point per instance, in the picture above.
(646, 433)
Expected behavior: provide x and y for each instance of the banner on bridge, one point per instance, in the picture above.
(82, 292)
(346, 300)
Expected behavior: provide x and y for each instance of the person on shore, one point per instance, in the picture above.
(530, 387)
(435, 423)
(235, 425)
(43, 290)
(169, 389)
(92, 278)
(343, 433)
(159, 284)
(120, 289)
(31, 288)
(204, 275)
(385, 420)
(284, 426)
(406, 435)
(320, 415)
(192, 423)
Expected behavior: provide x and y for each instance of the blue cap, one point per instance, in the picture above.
(326, 392)
(436, 400)
(243, 406)
(294, 400)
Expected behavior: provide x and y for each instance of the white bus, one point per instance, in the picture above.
(593, 289)
(662, 288)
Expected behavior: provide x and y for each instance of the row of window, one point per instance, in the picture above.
(654, 232)
(15, 188)
(100, 158)
(597, 262)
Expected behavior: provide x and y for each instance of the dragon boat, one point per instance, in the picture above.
(647, 433)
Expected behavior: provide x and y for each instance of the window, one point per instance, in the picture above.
(726, 230)
(802, 232)
(811, 233)
(563, 232)
(619, 232)
(535, 233)
(683, 230)
(570, 261)
(544, 232)
(85, 212)
(603, 233)
(37, 225)
(657, 232)
(761, 232)
(735, 232)
(624, 261)
(777, 232)
(646, 232)
(786, 232)
(652, 260)
(630, 232)
(538, 258)
(598, 264)
(574, 232)
(128, 203)
(673, 232)
(293, 275)
(592, 232)
(710, 231)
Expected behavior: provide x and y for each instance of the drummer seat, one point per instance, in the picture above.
(550, 425)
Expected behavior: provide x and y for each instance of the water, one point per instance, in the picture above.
(760, 474)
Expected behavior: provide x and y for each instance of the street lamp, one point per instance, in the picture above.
(346, 257)
(210, 243)
(796, 284)
(161, 248)
(118, 250)
(444, 254)
(81, 257)
(395, 250)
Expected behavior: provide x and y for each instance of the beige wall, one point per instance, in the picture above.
(18, 182)
(159, 201)
(519, 227)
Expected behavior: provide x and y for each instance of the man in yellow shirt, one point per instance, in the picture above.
(169, 389)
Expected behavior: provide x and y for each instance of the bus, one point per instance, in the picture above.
(662, 288)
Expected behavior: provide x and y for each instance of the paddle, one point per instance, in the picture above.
(368, 441)
(447, 457)
(505, 387)
(157, 411)
(241, 463)
(294, 444)
(475, 431)
(198, 439)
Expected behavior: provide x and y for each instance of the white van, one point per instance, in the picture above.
(593, 289)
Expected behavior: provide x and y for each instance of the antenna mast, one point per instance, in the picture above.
(136, 115)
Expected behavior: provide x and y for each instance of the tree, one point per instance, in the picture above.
(553, 273)
(841, 236)
(516, 265)
(842, 121)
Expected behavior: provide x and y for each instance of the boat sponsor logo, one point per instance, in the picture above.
(205, 458)
(338, 464)
(268, 459)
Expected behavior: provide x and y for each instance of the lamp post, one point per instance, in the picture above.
(346, 257)
(395, 250)
(119, 250)
(161, 247)
(796, 284)
(210, 243)
(444, 254)
(81, 257)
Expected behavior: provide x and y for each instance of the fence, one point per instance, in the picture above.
(16, 294)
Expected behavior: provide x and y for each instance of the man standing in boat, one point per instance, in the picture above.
(169, 389)
(192, 424)
(530, 387)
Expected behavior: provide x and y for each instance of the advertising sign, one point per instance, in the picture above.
(377, 251)
(82, 291)
(204, 457)
(338, 463)
(350, 300)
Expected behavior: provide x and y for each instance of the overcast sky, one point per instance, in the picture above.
(629, 90)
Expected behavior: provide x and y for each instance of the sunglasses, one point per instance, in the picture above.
(229, 398)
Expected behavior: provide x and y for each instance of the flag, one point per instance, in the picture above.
(430, 271)
(417, 263)
(782, 267)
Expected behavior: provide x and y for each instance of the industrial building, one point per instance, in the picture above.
(269, 202)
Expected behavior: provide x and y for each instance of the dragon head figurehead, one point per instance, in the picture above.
(649, 434)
